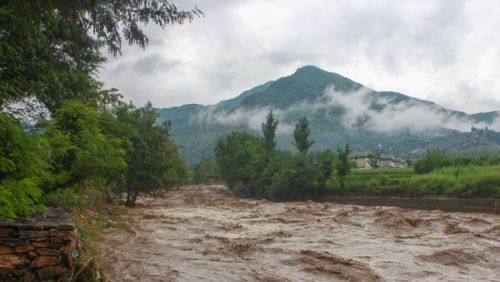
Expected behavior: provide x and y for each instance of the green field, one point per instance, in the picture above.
(463, 182)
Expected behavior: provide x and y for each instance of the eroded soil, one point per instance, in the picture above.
(203, 233)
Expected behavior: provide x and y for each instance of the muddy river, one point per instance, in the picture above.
(203, 233)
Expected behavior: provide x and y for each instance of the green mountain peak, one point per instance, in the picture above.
(394, 122)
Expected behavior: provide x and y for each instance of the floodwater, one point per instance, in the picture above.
(203, 233)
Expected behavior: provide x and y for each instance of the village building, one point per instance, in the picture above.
(362, 160)
(213, 179)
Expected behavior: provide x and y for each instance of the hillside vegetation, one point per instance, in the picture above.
(341, 111)
(252, 166)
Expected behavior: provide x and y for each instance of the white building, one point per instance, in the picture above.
(386, 161)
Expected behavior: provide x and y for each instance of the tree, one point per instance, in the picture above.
(269, 131)
(325, 160)
(240, 157)
(81, 153)
(154, 162)
(343, 165)
(23, 161)
(50, 50)
(301, 136)
(202, 169)
(297, 179)
(374, 158)
(431, 160)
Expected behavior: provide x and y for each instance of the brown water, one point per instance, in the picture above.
(202, 233)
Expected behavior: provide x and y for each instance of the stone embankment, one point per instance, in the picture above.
(39, 248)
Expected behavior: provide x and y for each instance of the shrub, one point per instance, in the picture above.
(67, 199)
(19, 198)
(297, 179)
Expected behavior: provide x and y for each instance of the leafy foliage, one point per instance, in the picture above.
(19, 198)
(432, 159)
(154, 162)
(252, 168)
(23, 159)
(50, 50)
(301, 136)
(49, 56)
(240, 156)
(374, 158)
(343, 165)
(297, 179)
(81, 152)
(269, 131)
(204, 168)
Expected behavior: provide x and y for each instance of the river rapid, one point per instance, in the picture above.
(203, 233)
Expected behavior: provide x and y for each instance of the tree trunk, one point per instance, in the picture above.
(129, 197)
(135, 197)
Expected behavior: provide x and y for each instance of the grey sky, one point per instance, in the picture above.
(444, 51)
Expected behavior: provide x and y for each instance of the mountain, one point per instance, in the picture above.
(340, 111)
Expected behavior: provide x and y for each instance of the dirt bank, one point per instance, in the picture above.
(202, 233)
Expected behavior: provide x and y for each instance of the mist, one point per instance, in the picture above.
(359, 112)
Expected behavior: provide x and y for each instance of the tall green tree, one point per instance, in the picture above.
(301, 136)
(50, 50)
(154, 162)
(269, 131)
(343, 165)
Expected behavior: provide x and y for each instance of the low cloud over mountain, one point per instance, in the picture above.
(340, 111)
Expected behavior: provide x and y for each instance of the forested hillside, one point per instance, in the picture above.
(341, 111)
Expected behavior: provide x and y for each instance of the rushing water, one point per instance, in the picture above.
(202, 233)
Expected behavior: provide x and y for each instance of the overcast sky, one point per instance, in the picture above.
(444, 51)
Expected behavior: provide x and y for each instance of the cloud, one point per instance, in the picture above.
(405, 115)
(361, 109)
(251, 118)
(153, 63)
(425, 49)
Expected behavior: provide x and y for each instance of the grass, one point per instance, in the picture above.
(94, 217)
(92, 223)
(462, 182)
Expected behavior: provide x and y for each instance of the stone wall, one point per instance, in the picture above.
(39, 248)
